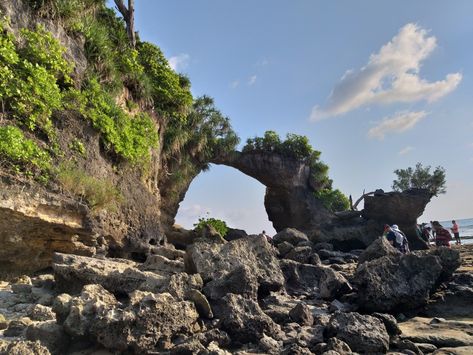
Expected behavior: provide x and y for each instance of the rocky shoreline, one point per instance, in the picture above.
(245, 296)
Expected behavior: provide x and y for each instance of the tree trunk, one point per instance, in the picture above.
(129, 17)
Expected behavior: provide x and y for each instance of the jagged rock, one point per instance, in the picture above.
(301, 314)
(332, 346)
(304, 336)
(379, 248)
(270, 345)
(362, 333)
(50, 335)
(148, 320)
(303, 255)
(404, 344)
(426, 348)
(61, 306)
(41, 313)
(193, 346)
(244, 320)
(449, 259)
(233, 234)
(17, 327)
(314, 279)
(214, 260)
(284, 248)
(20, 347)
(3, 322)
(323, 245)
(72, 272)
(159, 263)
(295, 349)
(397, 282)
(389, 322)
(34, 224)
(201, 303)
(169, 252)
(290, 235)
(240, 281)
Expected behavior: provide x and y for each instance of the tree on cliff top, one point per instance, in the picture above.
(298, 147)
(421, 178)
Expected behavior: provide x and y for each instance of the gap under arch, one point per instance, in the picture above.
(227, 194)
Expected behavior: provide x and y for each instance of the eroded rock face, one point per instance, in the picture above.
(379, 248)
(34, 224)
(312, 279)
(244, 320)
(214, 260)
(72, 272)
(401, 208)
(400, 282)
(362, 333)
(149, 320)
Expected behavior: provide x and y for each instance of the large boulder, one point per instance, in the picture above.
(379, 248)
(215, 260)
(399, 282)
(362, 333)
(239, 281)
(314, 279)
(21, 347)
(72, 272)
(244, 320)
(148, 321)
(290, 235)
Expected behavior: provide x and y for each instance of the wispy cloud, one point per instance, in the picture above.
(391, 75)
(400, 122)
(405, 150)
(234, 84)
(252, 80)
(262, 63)
(179, 62)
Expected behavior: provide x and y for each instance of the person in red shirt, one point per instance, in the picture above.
(456, 233)
(442, 236)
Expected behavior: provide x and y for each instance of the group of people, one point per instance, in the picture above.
(433, 232)
(437, 233)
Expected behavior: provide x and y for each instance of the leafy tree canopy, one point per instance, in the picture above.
(421, 178)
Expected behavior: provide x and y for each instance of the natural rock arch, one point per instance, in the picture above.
(290, 202)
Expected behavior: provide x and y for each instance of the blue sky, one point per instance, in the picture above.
(375, 85)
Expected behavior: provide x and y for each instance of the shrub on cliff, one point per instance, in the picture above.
(421, 178)
(219, 225)
(22, 154)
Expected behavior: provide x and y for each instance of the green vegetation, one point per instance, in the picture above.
(98, 193)
(421, 178)
(219, 225)
(33, 68)
(299, 148)
(296, 147)
(22, 154)
(77, 146)
(128, 136)
(333, 200)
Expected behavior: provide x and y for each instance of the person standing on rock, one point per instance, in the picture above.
(442, 236)
(456, 233)
(268, 238)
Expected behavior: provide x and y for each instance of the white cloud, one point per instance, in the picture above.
(252, 80)
(234, 84)
(400, 122)
(405, 150)
(391, 75)
(179, 62)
